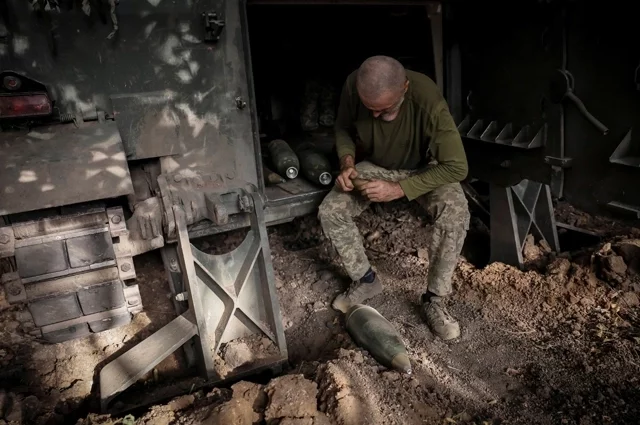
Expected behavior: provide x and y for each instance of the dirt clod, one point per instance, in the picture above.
(291, 396)
(320, 286)
(15, 412)
(325, 275)
(296, 421)
(237, 354)
(616, 264)
(237, 411)
(560, 267)
(630, 252)
(254, 394)
(182, 403)
(631, 299)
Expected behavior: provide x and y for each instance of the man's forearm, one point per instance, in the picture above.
(344, 144)
(347, 161)
(448, 151)
(431, 179)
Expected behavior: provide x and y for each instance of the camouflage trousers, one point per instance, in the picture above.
(446, 206)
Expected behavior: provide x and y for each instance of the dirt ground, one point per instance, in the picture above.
(558, 343)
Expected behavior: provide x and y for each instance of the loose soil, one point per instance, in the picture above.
(557, 343)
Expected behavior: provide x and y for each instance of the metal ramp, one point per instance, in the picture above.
(229, 296)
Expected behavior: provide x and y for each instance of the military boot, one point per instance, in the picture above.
(309, 106)
(441, 323)
(357, 293)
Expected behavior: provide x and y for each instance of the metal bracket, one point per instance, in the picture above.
(527, 137)
(230, 296)
(627, 152)
(517, 211)
(558, 162)
(7, 242)
(212, 26)
(13, 288)
(630, 210)
(558, 165)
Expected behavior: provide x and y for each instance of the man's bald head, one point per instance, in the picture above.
(379, 76)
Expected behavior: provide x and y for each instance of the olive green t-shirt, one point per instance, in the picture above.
(423, 130)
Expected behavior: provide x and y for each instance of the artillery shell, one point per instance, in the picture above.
(271, 177)
(284, 158)
(371, 331)
(315, 166)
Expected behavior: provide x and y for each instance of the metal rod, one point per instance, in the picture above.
(583, 109)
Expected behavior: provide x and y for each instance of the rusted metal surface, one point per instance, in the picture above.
(61, 165)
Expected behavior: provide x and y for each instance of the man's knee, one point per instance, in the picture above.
(449, 208)
(331, 211)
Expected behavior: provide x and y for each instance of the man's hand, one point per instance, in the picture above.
(382, 191)
(347, 173)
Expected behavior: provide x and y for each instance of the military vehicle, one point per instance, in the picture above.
(136, 126)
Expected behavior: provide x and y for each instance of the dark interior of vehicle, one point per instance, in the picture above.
(294, 47)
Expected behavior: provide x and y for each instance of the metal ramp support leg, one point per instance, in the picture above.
(229, 296)
(517, 211)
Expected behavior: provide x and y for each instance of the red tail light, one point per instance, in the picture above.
(23, 106)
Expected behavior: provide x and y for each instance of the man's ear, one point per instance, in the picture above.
(406, 85)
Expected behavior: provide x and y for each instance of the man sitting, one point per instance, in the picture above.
(411, 148)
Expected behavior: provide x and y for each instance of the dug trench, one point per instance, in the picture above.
(557, 343)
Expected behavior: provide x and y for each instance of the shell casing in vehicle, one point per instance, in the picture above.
(284, 159)
(314, 165)
(371, 331)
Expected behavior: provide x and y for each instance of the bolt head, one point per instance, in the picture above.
(125, 267)
(116, 219)
(173, 265)
(14, 290)
(4, 239)
(177, 178)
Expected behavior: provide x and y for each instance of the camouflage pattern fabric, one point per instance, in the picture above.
(447, 207)
(318, 105)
